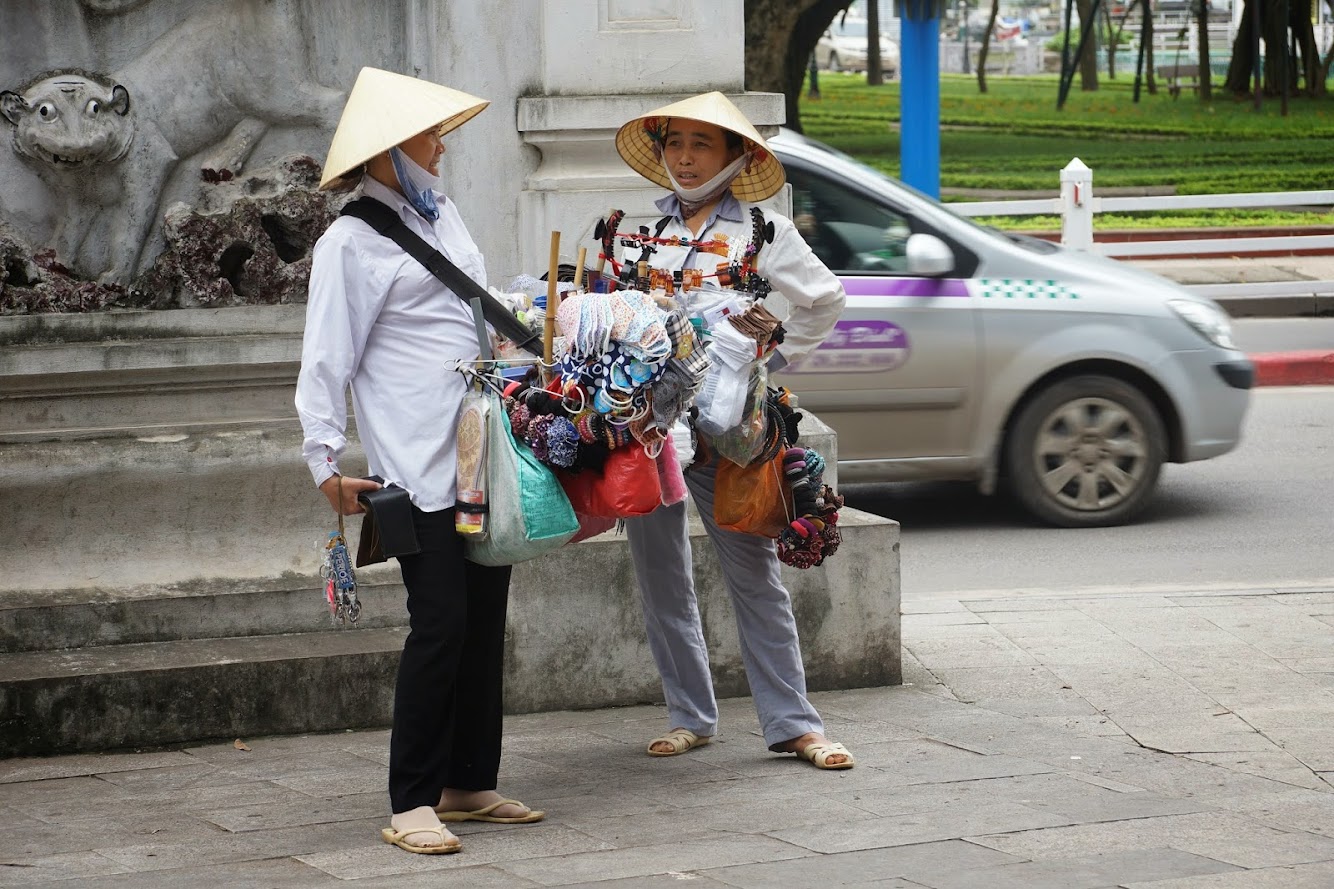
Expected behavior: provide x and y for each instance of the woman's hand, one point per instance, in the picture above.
(351, 488)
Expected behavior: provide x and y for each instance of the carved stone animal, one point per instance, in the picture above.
(70, 119)
(74, 128)
(207, 89)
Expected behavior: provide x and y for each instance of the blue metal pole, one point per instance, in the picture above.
(919, 103)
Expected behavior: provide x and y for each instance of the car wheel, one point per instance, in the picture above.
(1086, 452)
(834, 64)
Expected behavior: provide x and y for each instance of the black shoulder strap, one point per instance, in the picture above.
(384, 220)
(662, 225)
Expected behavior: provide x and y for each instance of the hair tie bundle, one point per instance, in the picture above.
(813, 535)
(520, 417)
(562, 442)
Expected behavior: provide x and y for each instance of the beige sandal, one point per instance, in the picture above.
(484, 814)
(681, 739)
(818, 755)
(399, 838)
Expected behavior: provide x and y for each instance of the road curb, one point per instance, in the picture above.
(1313, 367)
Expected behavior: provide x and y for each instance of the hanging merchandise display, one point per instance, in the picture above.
(642, 364)
(766, 483)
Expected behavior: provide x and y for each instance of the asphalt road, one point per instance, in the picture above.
(1260, 516)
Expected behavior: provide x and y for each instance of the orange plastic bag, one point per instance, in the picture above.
(753, 499)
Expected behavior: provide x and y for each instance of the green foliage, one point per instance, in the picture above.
(1013, 138)
(1101, 35)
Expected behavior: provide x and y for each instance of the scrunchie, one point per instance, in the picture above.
(562, 440)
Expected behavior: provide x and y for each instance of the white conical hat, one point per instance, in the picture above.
(384, 109)
(638, 141)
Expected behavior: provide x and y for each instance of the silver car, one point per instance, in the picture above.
(843, 47)
(966, 353)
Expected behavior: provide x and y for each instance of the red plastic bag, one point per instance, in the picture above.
(592, 526)
(627, 486)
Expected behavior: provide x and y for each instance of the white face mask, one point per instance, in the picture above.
(418, 183)
(716, 184)
(419, 178)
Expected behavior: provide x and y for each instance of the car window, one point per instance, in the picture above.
(846, 230)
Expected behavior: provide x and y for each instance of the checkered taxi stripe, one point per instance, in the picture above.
(1023, 288)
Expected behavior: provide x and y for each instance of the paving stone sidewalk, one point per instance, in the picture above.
(1173, 741)
(1233, 270)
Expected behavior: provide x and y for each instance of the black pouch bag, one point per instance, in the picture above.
(386, 529)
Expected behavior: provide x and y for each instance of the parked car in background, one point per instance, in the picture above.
(844, 48)
(968, 353)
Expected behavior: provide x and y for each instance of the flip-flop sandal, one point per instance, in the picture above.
(484, 814)
(681, 739)
(399, 838)
(818, 756)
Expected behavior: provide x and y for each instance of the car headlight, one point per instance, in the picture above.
(1209, 320)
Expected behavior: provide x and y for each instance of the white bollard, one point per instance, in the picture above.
(1077, 206)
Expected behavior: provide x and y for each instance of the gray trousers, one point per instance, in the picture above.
(660, 546)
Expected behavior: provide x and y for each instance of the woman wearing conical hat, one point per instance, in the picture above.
(379, 323)
(715, 166)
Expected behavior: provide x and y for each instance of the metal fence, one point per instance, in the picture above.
(1077, 206)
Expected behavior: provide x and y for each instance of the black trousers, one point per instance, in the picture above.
(449, 696)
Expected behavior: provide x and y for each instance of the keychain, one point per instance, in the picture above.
(340, 582)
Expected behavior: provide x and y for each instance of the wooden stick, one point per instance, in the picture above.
(553, 303)
(579, 268)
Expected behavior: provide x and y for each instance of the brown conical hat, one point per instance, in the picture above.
(637, 143)
(384, 109)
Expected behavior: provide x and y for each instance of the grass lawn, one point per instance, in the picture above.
(1014, 138)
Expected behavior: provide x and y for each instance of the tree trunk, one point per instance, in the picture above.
(1088, 62)
(780, 37)
(1323, 74)
(1202, 30)
(1146, 8)
(1240, 69)
(875, 75)
(1300, 12)
(1112, 39)
(986, 47)
(1274, 33)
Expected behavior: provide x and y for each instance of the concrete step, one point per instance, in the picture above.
(575, 640)
(51, 620)
(163, 693)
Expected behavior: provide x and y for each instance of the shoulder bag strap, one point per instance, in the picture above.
(385, 221)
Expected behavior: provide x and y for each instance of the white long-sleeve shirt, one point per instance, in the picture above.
(378, 321)
(814, 293)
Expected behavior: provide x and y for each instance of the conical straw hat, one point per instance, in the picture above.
(637, 140)
(383, 110)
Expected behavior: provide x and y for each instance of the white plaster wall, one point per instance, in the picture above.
(490, 50)
(601, 47)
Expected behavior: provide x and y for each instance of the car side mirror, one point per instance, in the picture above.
(929, 256)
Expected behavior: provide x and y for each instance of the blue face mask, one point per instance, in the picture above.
(417, 183)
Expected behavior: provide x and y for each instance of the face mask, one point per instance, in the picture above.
(711, 188)
(417, 183)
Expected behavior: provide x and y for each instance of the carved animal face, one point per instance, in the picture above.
(69, 121)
